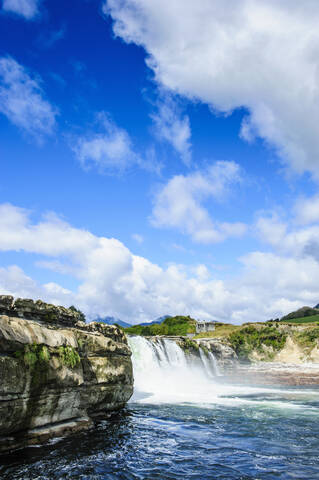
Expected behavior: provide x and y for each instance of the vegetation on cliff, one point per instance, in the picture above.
(33, 355)
(69, 356)
(266, 341)
(178, 325)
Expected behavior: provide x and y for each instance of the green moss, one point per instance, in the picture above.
(205, 349)
(33, 355)
(69, 356)
(81, 343)
(189, 345)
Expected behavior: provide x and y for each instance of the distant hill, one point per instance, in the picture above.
(156, 321)
(301, 313)
(112, 321)
(178, 325)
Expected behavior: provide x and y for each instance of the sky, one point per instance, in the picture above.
(160, 158)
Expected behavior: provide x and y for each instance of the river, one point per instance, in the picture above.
(184, 423)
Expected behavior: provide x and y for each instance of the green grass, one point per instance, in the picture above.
(221, 330)
(249, 339)
(310, 319)
(309, 337)
(178, 325)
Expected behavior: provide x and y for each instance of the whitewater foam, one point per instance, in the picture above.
(163, 373)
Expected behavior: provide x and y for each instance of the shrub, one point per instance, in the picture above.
(308, 337)
(69, 356)
(247, 339)
(81, 314)
(34, 354)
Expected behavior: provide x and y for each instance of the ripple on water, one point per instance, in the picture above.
(253, 439)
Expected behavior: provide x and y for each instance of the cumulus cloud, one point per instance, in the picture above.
(179, 204)
(114, 281)
(288, 239)
(28, 9)
(13, 281)
(109, 148)
(173, 127)
(237, 53)
(307, 210)
(22, 100)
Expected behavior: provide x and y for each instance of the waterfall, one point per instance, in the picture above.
(163, 373)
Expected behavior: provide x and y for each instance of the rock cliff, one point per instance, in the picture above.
(224, 354)
(57, 373)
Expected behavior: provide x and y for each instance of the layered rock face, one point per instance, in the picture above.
(57, 373)
(224, 354)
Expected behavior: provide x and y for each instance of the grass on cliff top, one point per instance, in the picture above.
(263, 338)
(221, 330)
(178, 325)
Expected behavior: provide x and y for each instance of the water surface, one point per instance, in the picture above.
(184, 423)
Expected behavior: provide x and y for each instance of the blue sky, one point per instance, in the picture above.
(160, 159)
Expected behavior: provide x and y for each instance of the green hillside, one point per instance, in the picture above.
(178, 325)
(310, 319)
(301, 313)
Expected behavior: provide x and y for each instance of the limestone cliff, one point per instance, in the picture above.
(57, 373)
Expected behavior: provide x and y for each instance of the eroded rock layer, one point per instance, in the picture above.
(57, 373)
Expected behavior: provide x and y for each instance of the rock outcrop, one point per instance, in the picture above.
(57, 373)
(225, 356)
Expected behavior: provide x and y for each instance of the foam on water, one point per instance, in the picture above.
(164, 374)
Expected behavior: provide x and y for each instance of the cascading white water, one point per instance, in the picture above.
(163, 373)
(209, 365)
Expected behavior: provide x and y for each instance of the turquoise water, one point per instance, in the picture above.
(268, 435)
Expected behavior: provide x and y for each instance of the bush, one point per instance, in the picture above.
(308, 338)
(81, 314)
(247, 339)
(69, 356)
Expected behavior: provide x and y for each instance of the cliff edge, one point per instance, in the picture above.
(57, 373)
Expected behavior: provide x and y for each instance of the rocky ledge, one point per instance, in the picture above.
(57, 373)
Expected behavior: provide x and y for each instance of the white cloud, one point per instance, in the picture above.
(179, 204)
(173, 127)
(113, 281)
(288, 239)
(13, 281)
(28, 9)
(109, 148)
(22, 100)
(138, 238)
(257, 54)
(307, 210)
